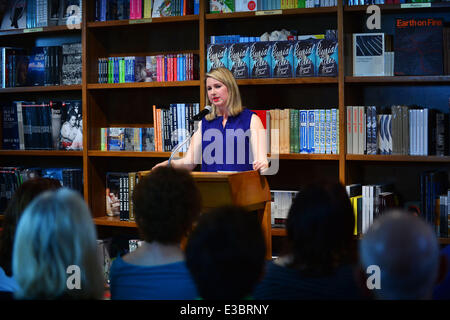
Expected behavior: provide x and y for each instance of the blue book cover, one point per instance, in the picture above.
(239, 60)
(311, 135)
(116, 139)
(304, 131)
(260, 59)
(216, 56)
(36, 67)
(327, 58)
(53, 173)
(282, 59)
(305, 58)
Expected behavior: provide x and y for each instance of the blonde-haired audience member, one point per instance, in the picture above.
(55, 249)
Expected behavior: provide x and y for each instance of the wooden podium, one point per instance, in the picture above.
(247, 189)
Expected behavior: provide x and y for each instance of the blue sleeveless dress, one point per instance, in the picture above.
(233, 141)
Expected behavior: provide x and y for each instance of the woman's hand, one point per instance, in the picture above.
(259, 165)
(161, 164)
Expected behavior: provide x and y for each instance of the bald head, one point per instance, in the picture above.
(406, 250)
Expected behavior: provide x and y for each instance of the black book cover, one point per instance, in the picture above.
(260, 59)
(418, 47)
(282, 59)
(36, 74)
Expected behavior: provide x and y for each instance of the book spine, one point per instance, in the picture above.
(311, 133)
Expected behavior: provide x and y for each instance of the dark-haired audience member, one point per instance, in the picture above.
(20, 200)
(55, 249)
(406, 251)
(321, 257)
(442, 290)
(166, 203)
(225, 254)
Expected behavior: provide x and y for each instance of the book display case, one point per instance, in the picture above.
(130, 104)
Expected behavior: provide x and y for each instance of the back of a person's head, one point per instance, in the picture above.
(320, 229)
(166, 203)
(55, 232)
(225, 253)
(26, 192)
(405, 249)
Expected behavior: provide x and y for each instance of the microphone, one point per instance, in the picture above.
(199, 116)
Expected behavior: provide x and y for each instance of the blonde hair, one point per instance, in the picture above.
(234, 97)
(55, 232)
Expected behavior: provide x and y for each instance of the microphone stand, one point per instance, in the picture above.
(179, 145)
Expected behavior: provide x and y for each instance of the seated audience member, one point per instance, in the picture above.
(405, 249)
(21, 198)
(225, 254)
(442, 290)
(55, 249)
(166, 203)
(320, 260)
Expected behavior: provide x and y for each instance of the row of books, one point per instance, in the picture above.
(41, 66)
(301, 131)
(368, 2)
(12, 177)
(43, 125)
(434, 192)
(369, 202)
(106, 10)
(170, 67)
(281, 201)
(127, 139)
(398, 130)
(40, 13)
(172, 125)
(227, 6)
(421, 47)
(276, 59)
(119, 190)
(289, 35)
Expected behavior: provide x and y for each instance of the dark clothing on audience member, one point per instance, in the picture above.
(283, 283)
(442, 290)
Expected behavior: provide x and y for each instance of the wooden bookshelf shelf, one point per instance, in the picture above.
(140, 85)
(297, 156)
(41, 153)
(268, 13)
(279, 232)
(113, 222)
(397, 158)
(123, 23)
(287, 81)
(399, 79)
(399, 8)
(40, 89)
(144, 154)
(42, 30)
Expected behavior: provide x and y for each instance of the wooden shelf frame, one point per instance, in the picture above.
(95, 112)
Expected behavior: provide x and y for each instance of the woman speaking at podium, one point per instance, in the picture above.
(231, 137)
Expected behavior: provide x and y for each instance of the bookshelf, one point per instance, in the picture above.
(129, 104)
